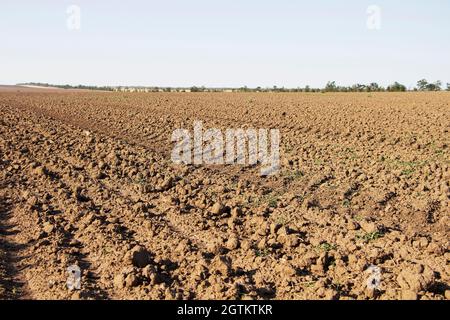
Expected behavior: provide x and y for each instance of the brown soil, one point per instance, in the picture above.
(86, 178)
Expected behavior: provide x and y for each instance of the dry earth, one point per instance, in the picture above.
(86, 179)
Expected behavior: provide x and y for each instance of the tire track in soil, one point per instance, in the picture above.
(12, 281)
(63, 238)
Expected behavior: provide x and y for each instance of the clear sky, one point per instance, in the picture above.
(224, 43)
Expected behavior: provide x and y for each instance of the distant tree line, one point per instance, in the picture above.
(422, 85)
(331, 86)
(66, 86)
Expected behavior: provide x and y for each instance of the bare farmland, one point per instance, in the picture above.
(87, 179)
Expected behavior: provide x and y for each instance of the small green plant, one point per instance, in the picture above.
(254, 201)
(270, 199)
(141, 181)
(308, 284)
(407, 172)
(325, 246)
(262, 253)
(408, 167)
(371, 236)
(293, 175)
(272, 202)
(346, 203)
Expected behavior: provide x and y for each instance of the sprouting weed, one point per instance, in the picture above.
(325, 246)
(367, 237)
(272, 202)
(308, 284)
(262, 253)
(407, 172)
(293, 175)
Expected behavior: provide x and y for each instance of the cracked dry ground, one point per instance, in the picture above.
(86, 179)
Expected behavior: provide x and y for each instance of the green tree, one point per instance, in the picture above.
(396, 87)
(331, 86)
(422, 85)
(374, 87)
(437, 86)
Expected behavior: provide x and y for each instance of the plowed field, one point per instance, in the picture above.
(86, 179)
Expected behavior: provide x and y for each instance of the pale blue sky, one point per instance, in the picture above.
(224, 43)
